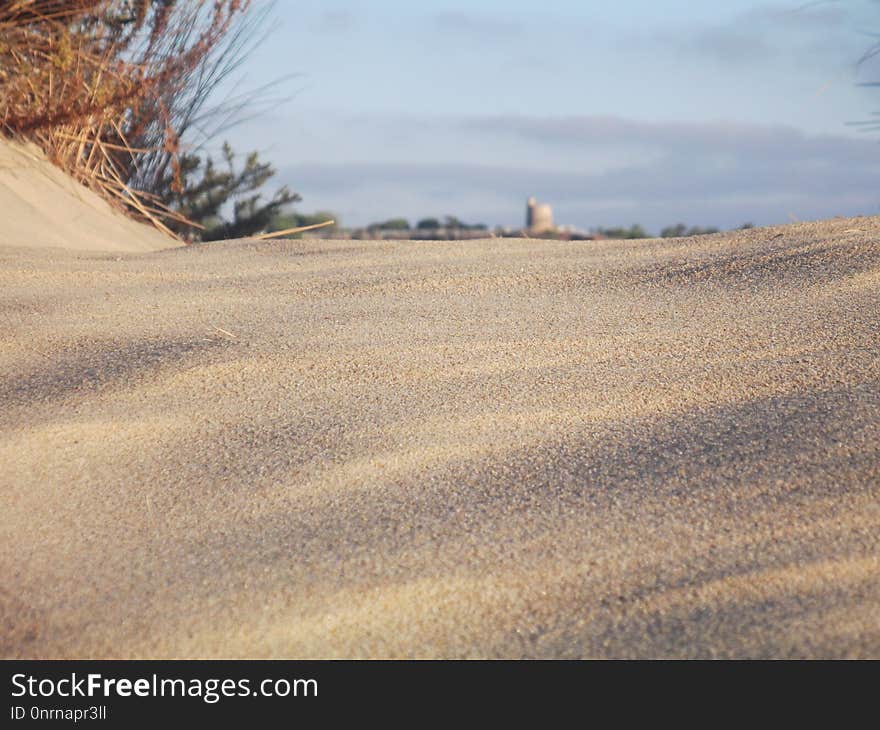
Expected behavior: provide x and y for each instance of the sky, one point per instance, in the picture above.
(652, 112)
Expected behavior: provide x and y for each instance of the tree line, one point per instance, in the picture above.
(679, 230)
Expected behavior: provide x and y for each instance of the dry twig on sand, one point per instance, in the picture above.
(291, 231)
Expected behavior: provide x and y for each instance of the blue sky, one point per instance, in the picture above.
(614, 112)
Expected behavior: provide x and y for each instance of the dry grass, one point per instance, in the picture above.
(91, 82)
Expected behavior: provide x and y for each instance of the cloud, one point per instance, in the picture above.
(335, 21)
(705, 140)
(715, 173)
(812, 16)
(473, 24)
(760, 35)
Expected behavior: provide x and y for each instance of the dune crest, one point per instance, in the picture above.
(42, 207)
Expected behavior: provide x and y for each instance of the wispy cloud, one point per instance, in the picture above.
(480, 25)
(335, 21)
(689, 139)
(763, 34)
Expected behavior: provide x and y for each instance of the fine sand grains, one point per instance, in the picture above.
(506, 448)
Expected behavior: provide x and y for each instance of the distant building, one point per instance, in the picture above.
(539, 217)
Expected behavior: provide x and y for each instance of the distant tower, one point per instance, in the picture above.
(539, 217)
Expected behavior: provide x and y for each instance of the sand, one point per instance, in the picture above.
(41, 207)
(502, 448)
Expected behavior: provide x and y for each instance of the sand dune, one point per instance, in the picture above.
(502, 448)
(41, 207)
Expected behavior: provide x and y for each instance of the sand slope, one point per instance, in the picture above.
(501, 448)
(41, 207)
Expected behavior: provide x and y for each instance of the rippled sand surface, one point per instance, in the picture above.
(503, 448)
